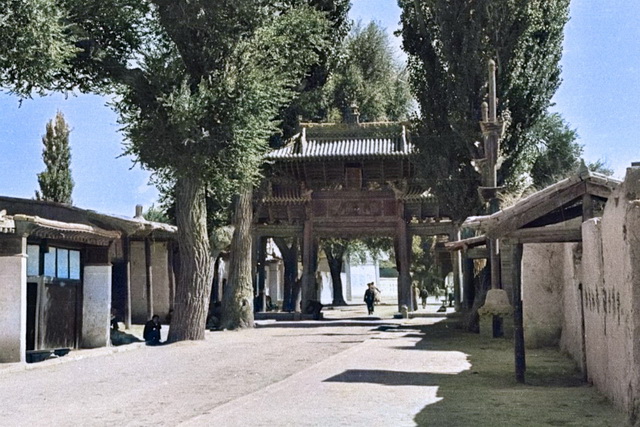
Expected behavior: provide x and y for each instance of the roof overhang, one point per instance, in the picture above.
(547, 212)
(50, 229)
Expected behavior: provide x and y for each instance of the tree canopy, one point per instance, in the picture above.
(370, 77)
(364, 72)
(56, 184)
(198, 87)
(35, 47)
(449, 44)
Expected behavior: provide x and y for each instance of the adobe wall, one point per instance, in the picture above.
(96, 305)
(611, 277)
(13, 298)
(160, 277)
(547, 270)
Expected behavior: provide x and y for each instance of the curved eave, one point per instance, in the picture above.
(50, 229)
(299, 158)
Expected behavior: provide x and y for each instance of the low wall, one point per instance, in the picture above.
(96, 306)
(611, 277)
(546, 271)
(160, 281)
(13, 298)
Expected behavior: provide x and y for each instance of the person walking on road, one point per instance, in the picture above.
(424, 294)
(370, 297)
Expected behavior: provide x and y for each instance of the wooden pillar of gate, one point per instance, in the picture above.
(308, 264)
(262, 255)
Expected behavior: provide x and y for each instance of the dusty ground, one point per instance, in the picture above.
(339, 372)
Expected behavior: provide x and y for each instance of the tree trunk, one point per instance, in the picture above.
(194, 275)
(471, 320)
(237, 310)
(290, 260)
(335, 267)
(213, 298)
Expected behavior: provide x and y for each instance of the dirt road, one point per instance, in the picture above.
(373, 373)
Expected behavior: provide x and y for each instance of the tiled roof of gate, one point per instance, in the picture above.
(338, 141)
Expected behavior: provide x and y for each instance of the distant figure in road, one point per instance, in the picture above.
(424, 294)
(151, 333)
(377, 292)
(370, 297)
(416, 295)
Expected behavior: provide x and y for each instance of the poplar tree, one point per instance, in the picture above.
(56, 184)
(449, 44)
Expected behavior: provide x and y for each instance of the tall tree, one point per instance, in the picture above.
(557, 152)
(449, 44)
(199, 85)
(370, 77)
(56, 184)
(365, 72)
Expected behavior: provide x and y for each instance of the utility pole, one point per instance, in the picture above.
(492, 131)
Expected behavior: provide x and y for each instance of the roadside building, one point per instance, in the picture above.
(64, 270)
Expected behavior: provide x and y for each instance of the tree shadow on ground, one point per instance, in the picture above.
(382, 377)
(323, 324)
(487, 394)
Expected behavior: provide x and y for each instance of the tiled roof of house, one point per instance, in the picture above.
(73, 216)
(338, 141)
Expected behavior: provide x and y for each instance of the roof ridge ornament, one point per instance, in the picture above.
(353, 114)
(583, 170)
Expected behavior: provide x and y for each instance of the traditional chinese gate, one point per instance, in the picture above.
(347, 180)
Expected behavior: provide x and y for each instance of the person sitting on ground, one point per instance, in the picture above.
(114, 321)
(314, 308)
(151, 333)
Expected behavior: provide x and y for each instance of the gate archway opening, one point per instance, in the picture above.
(347, 181)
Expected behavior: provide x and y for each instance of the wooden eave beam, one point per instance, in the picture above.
(598, 190)
(477, 253)
(464, 244)
(546, 235)
(557, 216)
(516, 217)
(430, 229)
(280, 230)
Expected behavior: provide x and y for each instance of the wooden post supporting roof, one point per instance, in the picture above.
(171, 275)
(456, 263)
(126, 249)
(518, 330)
(148, 276)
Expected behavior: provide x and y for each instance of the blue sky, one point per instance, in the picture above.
(600, 97)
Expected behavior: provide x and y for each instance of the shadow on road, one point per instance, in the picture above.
(323, 323)
(390, 378)
(487, 394)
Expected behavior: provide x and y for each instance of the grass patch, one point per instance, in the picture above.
(488, 395)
